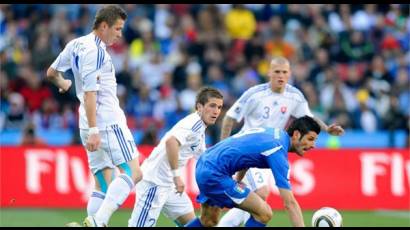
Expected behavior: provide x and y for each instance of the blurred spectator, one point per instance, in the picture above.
(337, 50)
(336, 94)
(34, 91)
(355, 47)
(364, 115)
(167, 102)
(16, 117)
(152, 72)
(30, 138)
(240, 22)
(187, 95)
(276, 45)
(42, 54)
(48, 117)
(395, 119)
(140, 106)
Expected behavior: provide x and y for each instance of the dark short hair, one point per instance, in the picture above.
(205, 93)
(304, 125)
(109, 14)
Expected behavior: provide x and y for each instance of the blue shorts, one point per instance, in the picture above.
(218, 189)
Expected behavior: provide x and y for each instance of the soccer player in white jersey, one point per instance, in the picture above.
(271, 105)
(103, 129)
(162, 188)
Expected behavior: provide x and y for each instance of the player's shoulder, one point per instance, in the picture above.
(294, 92)
(192, 122)
(89, 42)
(255, 91)
(292, 89)
(258, 88)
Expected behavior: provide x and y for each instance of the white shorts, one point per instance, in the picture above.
(117, 147)
(256, 178)
(151, 199)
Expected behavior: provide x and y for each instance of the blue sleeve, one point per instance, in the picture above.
(280, 169)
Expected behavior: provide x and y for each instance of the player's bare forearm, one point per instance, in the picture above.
(332, 129)
(172, 150)
(295, 214)
(57, 79)
(90, 105)
(292, 207)
(227, 125)
(322, 125)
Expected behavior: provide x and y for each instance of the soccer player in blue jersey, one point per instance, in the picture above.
(256, 147)
(270, 105)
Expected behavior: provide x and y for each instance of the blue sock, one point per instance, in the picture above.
(194, 223)
(254, 223)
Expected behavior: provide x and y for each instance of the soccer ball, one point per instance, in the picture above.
(327, 217)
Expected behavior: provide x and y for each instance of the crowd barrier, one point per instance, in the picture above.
(353, 179)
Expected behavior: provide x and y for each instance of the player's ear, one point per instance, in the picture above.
(296, 135)
(199, 107)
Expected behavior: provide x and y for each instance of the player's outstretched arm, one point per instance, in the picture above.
(58, 80)
(292, 207)
(333, 129)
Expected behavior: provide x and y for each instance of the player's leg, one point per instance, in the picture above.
(179, 208)
(209, 216)
(149, 202)
(257, 181)
(119, 145)
(260, 211)
(102, 179)
(234, 217)
(102, 169)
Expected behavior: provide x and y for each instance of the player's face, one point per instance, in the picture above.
(279, 75)
(114, 33)
(211, 110)
(301, 145)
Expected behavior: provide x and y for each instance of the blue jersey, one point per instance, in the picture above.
(253, 148)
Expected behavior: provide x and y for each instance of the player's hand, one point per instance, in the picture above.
(179, 185)
(66, 86)
(335, 130)
(93, 142)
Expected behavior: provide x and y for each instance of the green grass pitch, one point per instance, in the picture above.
(59, 217)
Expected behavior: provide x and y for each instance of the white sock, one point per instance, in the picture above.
(234, 218)
(117, 192)
(95, 202)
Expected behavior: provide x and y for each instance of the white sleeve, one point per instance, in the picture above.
(239, 109)
(63, 61)
(302, 109)
(182, 134)
(90, 68)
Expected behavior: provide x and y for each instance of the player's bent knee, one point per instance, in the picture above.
(263, 192)
(264, 214)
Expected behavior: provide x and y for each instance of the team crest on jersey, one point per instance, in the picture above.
(237, 110)
(240, 188)
(283, 109)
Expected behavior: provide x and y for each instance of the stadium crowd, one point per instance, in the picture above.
(352, 62)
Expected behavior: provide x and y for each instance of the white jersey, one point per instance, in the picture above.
(190, 132)
(259, 106)
(93, 70)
